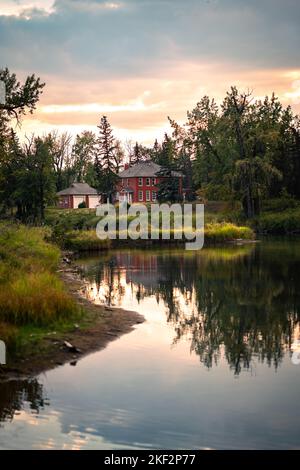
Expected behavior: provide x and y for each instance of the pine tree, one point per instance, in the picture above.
(168, 188)
(105, 163)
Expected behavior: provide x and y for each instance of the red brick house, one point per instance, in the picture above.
(76, 194)
(139, 183)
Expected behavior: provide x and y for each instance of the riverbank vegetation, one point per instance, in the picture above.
(32, 296)
(75, 229)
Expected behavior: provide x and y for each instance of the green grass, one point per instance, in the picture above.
(280, 223)
(75, 229)
(85, 240)
(224, 232)
(31, 293)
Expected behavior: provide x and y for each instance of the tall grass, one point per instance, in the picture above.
(30, 290)
(85, 240)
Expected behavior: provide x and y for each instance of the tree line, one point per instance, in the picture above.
(242, 150)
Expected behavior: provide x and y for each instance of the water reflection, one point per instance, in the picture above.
(237, 302)
(211, 317)
(13, 395)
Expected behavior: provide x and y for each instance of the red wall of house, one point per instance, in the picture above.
(133, 183)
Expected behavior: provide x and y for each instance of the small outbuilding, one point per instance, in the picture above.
(77, 194)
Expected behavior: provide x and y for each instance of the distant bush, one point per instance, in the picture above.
(222, 232)
(281, 223)
(85, 240)
(82, 205)
(283, 203)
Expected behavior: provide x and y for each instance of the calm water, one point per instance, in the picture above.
(210, 368)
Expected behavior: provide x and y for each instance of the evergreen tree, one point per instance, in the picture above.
(168, 188)
(105, 163)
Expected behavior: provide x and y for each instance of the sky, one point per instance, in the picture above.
(139, 61)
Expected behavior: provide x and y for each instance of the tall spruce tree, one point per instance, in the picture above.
(105, 163)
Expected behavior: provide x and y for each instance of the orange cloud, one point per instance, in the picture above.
(138, 107)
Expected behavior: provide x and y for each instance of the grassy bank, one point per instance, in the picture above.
(75, 230)
(41, 306)
(32, 296)
(279, 216)
(278, 223)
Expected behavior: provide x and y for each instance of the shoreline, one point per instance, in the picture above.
(98, 326)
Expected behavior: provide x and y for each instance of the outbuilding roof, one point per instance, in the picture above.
(78, 189)
(144, 169)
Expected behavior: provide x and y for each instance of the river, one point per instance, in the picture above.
(214, 366)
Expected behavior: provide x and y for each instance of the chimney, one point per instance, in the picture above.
(126, 166)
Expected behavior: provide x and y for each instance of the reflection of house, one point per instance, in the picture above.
(140, 269)
(77, 194)
(139, 183)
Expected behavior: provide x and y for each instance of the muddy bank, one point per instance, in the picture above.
(97, 326)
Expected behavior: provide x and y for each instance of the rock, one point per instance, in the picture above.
(66, 260)
(71, 348)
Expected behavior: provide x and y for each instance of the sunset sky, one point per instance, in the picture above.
(138, 61)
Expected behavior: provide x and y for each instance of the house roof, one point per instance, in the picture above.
(146, 169)
(78, 189)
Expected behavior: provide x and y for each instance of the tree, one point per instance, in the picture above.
(168, 188)
(119, 155)
(26, 177)
(105, 162)
(19, 98)
(15, 171)
(60, 150)
(83, 155)
(166, 156)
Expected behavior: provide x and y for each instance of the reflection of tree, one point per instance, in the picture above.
(243, 302)
(14, 393)
(248, 307)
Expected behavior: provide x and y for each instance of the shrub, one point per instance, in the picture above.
(85, 240)
(285, 223)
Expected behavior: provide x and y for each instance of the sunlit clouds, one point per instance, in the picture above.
(141, 61)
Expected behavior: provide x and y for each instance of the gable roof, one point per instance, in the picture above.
(147, 169)
(78, 189)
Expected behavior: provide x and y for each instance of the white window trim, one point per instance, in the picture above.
(148, 195)
(154, 198)
(140, 183)
(148, 182)
(140, 195)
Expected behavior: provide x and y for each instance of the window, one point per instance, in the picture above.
(141, 195)
(147, 181)
(153, 181)
(148, 194)
(154, 195)
(140, 181)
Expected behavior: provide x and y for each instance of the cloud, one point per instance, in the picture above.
(98, 55)
(130, 37)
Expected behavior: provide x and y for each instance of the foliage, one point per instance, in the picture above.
(30, 291)
(85, 240)
(281, 223)
(105, 159)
